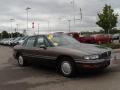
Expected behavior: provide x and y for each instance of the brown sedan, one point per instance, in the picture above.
(64, 52)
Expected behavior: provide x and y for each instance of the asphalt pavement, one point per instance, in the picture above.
(35, 77)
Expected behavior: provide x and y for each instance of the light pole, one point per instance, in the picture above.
(119, 37)
(73, 3)
(38, 28)
(11, 20)
(48, 26)
(69, 21)
(27, 10)
(17, 27)
(1, 34)
(80, 15)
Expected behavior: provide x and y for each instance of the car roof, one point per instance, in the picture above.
(48, 34)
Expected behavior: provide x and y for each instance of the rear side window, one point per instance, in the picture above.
(30, 42)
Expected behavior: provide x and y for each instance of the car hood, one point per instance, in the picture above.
(88, 49)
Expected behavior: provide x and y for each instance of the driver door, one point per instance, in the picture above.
(44, 51)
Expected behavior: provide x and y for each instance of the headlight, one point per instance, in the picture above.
(91, 57)
(87, 57)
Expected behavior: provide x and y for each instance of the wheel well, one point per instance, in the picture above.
(18, 53)
(59, 58)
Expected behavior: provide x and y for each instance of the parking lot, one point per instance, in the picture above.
(34, 77)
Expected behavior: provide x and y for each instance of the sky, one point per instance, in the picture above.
(53, 15)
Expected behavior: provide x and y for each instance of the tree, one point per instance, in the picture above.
(17, 34)
(5, 34)
(107, 19)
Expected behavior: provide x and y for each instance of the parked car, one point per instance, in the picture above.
(2, 41)
(22, 39)
(5, 41)
(82, 39)
(115, 37)
(10, 41)
(62, 51)
(15, 41)
(102, 38)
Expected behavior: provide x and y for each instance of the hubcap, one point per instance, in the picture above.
(20, 60)
(66, 67)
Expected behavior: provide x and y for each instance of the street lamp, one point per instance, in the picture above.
(38, 28)
(48, 26)
(27, 9)
(17, 27)
(73, 3)
(119, 37)
(11, 20)
(1, 33)
(69, 21)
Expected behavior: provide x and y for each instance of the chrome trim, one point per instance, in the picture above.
(41, 56)
(92, 61)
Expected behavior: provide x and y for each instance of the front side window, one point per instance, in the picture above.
(41, 41)
(30, 42)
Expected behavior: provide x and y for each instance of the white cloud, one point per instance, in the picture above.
(55, 11)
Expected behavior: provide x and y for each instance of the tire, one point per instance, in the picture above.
(67, 67)
(21, 61)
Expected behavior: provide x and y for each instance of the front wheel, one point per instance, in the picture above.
(67, 68)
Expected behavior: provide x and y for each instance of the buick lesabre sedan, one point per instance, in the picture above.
(63, 52)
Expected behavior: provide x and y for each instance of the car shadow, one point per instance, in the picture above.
(12, 76)
(80, 74)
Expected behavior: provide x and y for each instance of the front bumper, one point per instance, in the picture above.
(93, 64)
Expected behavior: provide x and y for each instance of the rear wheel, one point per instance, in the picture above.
(67, 67)
(21, 61)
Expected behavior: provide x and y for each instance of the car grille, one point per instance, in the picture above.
(105, 54)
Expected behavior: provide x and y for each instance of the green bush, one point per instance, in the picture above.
(112, 45)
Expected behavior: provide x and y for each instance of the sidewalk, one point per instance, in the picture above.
(116, 53)
(116, 50)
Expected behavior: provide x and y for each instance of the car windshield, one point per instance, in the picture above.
(23, 38)
(62, 40)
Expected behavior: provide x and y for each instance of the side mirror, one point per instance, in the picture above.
(43, 46)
